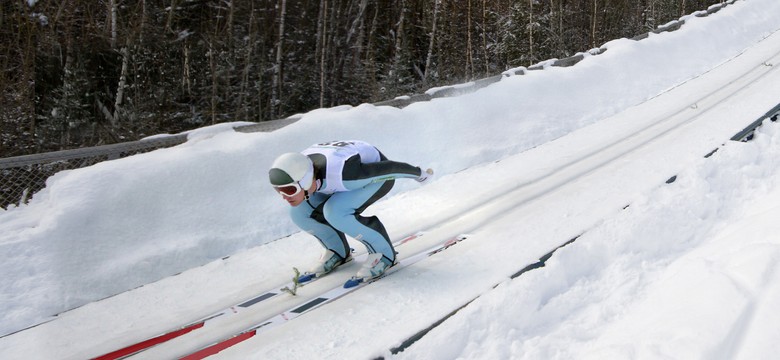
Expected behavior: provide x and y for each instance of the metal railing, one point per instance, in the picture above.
(747, 133)
(22, 176)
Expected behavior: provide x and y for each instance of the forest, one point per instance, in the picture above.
(80, 73)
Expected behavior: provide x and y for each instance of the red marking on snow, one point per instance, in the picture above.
(408, 239)
(143, 345)
(213, 349)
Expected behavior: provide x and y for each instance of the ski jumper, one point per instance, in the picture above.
(350, 176)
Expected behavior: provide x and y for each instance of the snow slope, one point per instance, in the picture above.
(685, 271)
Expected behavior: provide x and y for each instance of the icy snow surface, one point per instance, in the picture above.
(686, 270)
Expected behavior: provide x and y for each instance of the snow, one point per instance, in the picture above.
(685, 270)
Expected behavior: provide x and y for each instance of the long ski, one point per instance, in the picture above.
(254, 300)
(324, 298)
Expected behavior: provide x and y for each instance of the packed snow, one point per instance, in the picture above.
(688, 269)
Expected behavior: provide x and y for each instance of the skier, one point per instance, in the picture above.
(328, 186)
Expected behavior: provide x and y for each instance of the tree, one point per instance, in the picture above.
(276, 86)
(82, 73)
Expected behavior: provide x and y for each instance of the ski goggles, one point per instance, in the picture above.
(288, 190)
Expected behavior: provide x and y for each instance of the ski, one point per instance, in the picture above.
(140, 346)
(324, 298)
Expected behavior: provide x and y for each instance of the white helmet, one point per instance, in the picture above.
(292, 168)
